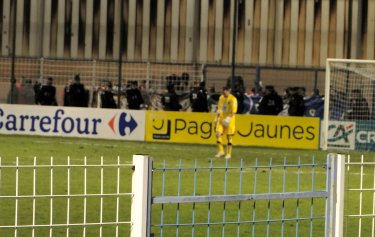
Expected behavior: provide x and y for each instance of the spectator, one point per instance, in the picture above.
(358, 106)
(133, 96)
(67, 94)
(337, 105)
(247, 104)
(286, 98)
(27, 93)
(144, 94)
(20, 88)
(37, 86)
(47, 94)
(271, 103)
(106, 97)
(170, 100)
(314, 105)
(199, 98)
(78, 94)
(255, 96)
(212, 99)
(296, 102)
(239, 93)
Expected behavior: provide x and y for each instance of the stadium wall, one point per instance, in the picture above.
(289, 33)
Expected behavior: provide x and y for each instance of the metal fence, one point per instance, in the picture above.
(359, 196)
(263, 199)
(94, 74)
(151, 75)
(69, 198)
(273, 197)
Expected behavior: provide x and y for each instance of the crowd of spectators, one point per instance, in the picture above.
(357, 107)
(263, 100)
(294, 102)
(259, 100)
(267, 101)
(24, 92)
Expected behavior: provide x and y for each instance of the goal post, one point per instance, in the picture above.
(349, 105)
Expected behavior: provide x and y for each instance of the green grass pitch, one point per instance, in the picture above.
(173, 156)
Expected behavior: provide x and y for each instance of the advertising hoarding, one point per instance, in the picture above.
(351, 135)
(252, 130)
(72, 122)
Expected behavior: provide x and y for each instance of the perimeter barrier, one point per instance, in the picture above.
(109, 197)
(72, 197)
(267, 198)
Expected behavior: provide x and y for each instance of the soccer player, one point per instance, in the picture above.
(225, 122)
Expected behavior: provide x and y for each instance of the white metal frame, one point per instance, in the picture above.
(361, 189)
(141, 195)
(327, 93)
(141, 188)
(139, 219)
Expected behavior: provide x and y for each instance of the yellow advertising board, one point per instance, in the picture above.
(252, 130)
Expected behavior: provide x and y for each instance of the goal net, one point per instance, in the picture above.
(349, 105)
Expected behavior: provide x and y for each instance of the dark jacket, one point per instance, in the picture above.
(134, 98)
(78, 95)
(171, 102)
(198, 100)
(358, 109)
(270, 104)
(296, 105)
(67, 96)
(47, 95)
(107, 100)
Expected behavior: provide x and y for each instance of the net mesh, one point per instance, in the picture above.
(351, 105)
(152, 77)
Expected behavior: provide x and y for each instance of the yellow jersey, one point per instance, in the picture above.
(227, 106)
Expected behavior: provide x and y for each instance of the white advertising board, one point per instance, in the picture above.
(341, 135)
(72, 122)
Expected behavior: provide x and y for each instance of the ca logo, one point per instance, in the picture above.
(341, 135)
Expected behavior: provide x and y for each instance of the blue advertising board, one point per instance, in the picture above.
(365, 135)
(351, 135)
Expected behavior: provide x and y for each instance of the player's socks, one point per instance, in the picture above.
(220, 150)
(220, 147)
(229, 151)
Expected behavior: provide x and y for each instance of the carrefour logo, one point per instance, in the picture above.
(124, 124)
(341, 135)
(56, 123)
(43, 121)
